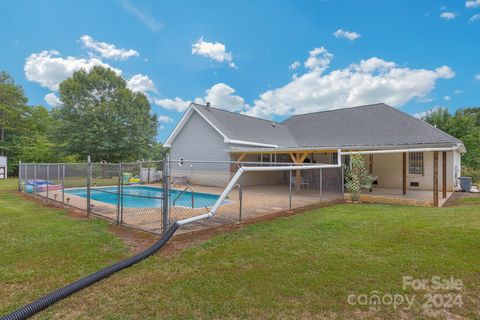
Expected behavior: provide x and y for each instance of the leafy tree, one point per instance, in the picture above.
(101, 117)
(357, 176)
(464, 125)
(12, 108)
(439, 117)
(156, 151)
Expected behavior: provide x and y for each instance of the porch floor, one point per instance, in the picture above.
(395, 196)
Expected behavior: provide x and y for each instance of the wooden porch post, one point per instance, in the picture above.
(404, 174)
(444, 174)
(370, 164)
(298, 160)
(435, 178)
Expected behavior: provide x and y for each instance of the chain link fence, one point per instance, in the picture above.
(152, 195)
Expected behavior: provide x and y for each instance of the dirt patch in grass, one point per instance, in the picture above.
(136, 240)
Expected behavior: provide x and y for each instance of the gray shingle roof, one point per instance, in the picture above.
(376, 125)
(242, 127)
(370, 125)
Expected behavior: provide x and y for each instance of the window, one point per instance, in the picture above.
(264, 157)
(415, 163)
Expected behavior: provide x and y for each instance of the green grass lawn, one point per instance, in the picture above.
(303, 266)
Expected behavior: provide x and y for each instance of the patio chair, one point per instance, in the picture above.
(303, 182)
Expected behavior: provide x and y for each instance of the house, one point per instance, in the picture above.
(403, 152)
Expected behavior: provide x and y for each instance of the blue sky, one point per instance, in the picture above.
(263, 58)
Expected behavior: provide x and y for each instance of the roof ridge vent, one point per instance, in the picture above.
(273, 123)
(208, 106)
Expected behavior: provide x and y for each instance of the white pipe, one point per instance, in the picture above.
(239, 173)
(401, 150)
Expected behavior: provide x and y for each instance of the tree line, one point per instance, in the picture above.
(98, 116)
(464, 124)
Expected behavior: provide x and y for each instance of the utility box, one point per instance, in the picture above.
(3, 167)
(465, 183)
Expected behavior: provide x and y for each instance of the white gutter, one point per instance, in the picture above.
(239, 173)
(404, 150)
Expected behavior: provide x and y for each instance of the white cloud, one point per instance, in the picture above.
(318, 60)
(219, 95)
(176, 104)
(48, 68)
(477, 76)
(423, 114)
(294, 65)
(144, 16)
(214, 50)
(141, 83)
(447, 98)
(107, 50)
(472, 3)
(350, 35)
(474, 18)
(52, 99)
(369, 81)
(222, 96)
(448, 15)
(165, 119)
(458, 91)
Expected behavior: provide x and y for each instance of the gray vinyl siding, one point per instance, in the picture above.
(200, 141)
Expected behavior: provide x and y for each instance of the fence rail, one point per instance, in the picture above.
(152, 195)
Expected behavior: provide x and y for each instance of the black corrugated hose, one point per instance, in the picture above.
(46, 301)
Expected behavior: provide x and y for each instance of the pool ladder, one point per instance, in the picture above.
(181, 193)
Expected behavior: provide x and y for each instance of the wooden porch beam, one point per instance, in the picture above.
(293, 157)
(435, 178)
(404, 174)
(302, 159)
(242, 156)
(444, 174)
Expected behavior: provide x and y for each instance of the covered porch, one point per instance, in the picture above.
(423, 177)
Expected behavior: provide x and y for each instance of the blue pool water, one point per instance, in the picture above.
(145, 197)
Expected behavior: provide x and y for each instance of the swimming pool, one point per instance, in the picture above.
(146, 197)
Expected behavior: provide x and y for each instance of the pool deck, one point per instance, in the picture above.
(256, 201)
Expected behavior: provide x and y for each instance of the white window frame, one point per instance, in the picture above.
(419, 168)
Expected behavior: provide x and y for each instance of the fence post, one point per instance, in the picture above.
(48, 178)
(290, 191)
(34, 179)
(121, 194)
(119, 191)
(19, 175)
(166, 194)
(63, 184)
(240, 196)
(89, 167)
(321, 184)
